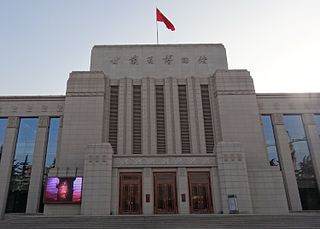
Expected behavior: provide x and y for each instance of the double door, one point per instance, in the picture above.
(200, 193)
(130, 193)
(165, 200)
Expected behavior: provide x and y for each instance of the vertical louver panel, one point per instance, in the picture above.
(207, 118)
(184, 119)
(113, 118)
(161, 136)
(136, 120)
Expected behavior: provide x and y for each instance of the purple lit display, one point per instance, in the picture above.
(63, 190)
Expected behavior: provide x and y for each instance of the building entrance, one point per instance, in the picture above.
(200, 193)
(130, 193)
(165, 193)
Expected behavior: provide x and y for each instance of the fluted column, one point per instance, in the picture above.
(176, 116)
(198, 144)
(122, 116)
(128, 119)
(145, 116)
(200, 122)
(169, 116)
(152, 117)
(192, 113)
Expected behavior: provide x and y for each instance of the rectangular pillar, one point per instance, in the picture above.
(6, 161)
(147, 189)
(215, 190)
(36, 180)
(115, 192)
(183, 189)
(287, 168)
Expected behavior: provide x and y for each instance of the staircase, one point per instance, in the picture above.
(303, 220)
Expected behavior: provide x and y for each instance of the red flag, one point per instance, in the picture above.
(161, 17)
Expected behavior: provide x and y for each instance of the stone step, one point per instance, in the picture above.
(167, 221)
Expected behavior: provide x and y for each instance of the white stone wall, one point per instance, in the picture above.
(31, 106)
(267, 190)
(233, 176)
(158, 61)
(83, 120)
(289, 103)
(83, 124)
(238, 120)
(97, 180)
(238, 164)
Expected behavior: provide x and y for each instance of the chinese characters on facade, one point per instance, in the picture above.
(168, 59)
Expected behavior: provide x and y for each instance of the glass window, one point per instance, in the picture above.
(51, 153)
(317, 120)
(3, 127)
(22, 165)
(270, 140)
(302, 162)
(52, 143)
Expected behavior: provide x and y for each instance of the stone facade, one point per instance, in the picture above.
(237, 164)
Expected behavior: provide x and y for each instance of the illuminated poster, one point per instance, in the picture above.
(63, 190)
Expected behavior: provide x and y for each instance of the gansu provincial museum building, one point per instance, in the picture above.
(160, 129)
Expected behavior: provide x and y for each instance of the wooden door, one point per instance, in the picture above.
(165, 193)
(200, 193)
(130, 193)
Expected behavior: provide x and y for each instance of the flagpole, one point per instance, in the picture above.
(157, 23)
(157, 33)
(156, 3)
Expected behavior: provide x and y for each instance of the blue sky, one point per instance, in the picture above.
(42, 41)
